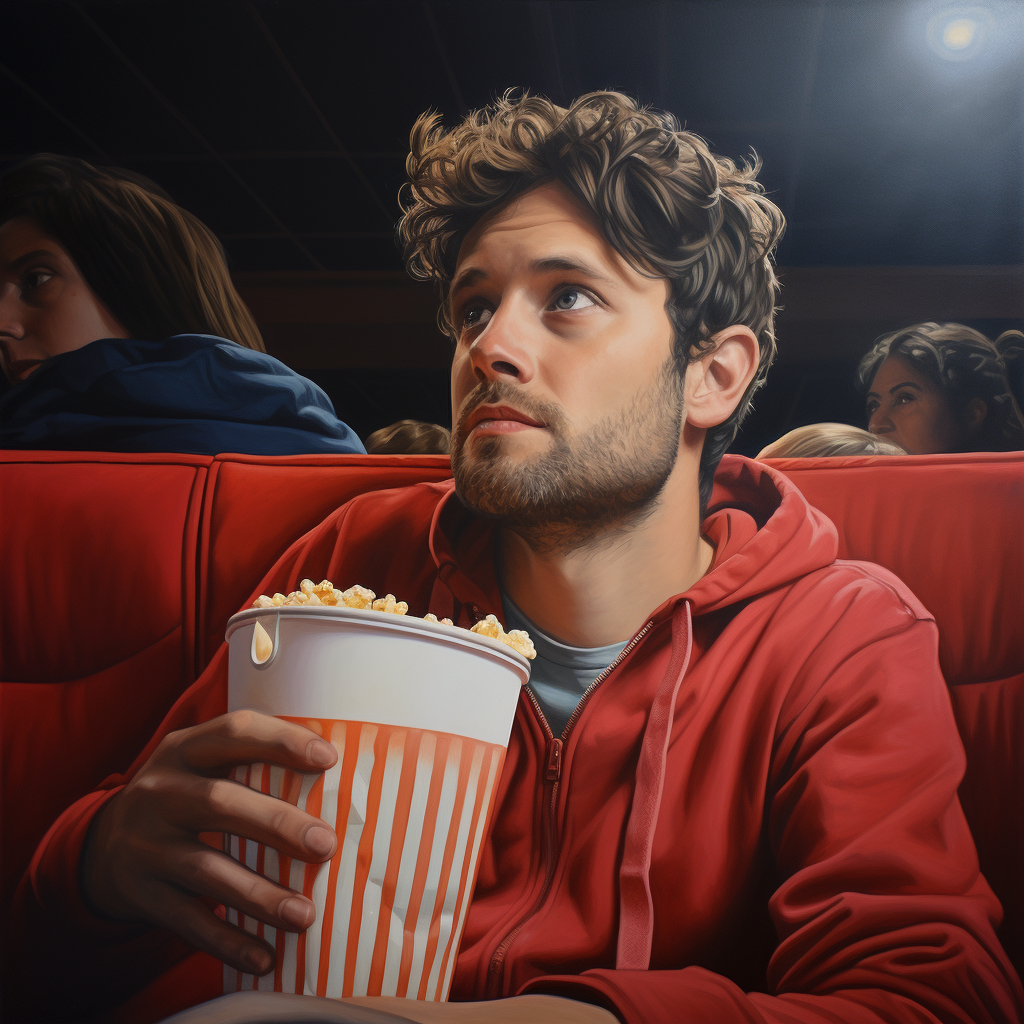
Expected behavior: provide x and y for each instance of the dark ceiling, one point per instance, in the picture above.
(283, 125)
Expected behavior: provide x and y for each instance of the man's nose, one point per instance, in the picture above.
(505, 348)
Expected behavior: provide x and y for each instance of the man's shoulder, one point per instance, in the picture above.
(419, 499)
(868, 584)
(826, 616)
(408, 510)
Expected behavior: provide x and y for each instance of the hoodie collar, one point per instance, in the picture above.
(764, 532)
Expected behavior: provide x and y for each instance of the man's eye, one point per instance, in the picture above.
(475, 316)
(572, 298)
(872, 406)
(903, 398)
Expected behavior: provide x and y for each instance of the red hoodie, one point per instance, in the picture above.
(752, 816)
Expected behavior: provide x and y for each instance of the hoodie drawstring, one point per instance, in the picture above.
(636, 907)
(442, 600)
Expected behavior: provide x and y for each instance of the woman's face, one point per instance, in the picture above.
(45, 305)
(904, 406)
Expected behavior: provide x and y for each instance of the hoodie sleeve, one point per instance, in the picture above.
(881, 912)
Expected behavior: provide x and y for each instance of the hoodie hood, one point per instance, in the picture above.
(764, 532)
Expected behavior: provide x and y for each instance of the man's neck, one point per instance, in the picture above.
(603, 590)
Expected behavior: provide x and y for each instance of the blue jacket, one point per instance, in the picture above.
(189, 393)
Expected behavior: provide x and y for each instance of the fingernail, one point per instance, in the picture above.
(297, 912)
(319, 841)
(320, 753)
(257, 960)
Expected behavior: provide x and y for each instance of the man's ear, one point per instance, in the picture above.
(716, 382)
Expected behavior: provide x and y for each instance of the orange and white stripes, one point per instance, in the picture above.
(410, 807)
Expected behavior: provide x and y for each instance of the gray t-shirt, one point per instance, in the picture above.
(560, 674)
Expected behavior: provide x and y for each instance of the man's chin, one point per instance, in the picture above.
(518, 448)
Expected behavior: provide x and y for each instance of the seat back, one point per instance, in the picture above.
(255, 507)
(117, 576)
(952, 528)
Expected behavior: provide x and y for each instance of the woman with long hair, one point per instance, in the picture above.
(121, 330)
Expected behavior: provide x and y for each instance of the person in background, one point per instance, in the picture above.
(120, 328)
(819, 440)
(410, 437)
(943, 388)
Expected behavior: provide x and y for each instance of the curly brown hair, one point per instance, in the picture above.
(157, 268)
(963, 364)
(664, 201)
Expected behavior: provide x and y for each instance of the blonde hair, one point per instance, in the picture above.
(818, 440)
(157, 268)
(665, 203)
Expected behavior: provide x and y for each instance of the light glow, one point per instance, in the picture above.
(959, 34)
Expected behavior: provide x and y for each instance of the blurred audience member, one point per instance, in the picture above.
(943, 388)
(410, 437)
(120, 328)
(818, 440)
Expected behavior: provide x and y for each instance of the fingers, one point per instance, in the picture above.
(204, 930)
(246, 737)
(143, 859)
(207, 872)
(200, 804)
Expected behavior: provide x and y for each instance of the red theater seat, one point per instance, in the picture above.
(118, 574)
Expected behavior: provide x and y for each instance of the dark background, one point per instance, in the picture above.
(898, 162)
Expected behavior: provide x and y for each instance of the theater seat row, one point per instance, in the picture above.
(119, 573)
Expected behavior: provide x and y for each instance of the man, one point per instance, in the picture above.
(730, 790)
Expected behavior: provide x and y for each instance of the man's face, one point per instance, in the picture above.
(566, 403)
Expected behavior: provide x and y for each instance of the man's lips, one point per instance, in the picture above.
(499, 419)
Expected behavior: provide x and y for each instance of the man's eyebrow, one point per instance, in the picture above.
(567, 263)
(467, 279)
(905, 384)
(473, 275)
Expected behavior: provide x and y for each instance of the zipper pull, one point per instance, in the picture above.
(553, 770)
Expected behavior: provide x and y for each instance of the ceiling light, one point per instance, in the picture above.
(958, 32)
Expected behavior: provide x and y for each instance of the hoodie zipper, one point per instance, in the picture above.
(552, 775)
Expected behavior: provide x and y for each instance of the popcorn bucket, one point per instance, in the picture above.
(420, 714)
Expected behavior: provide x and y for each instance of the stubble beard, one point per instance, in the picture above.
(596, 484)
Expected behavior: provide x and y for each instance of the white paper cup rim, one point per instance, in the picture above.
(386, 622)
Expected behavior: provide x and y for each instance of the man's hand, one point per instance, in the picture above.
(143, 859)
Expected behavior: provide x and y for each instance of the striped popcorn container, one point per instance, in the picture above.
(420, 714)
